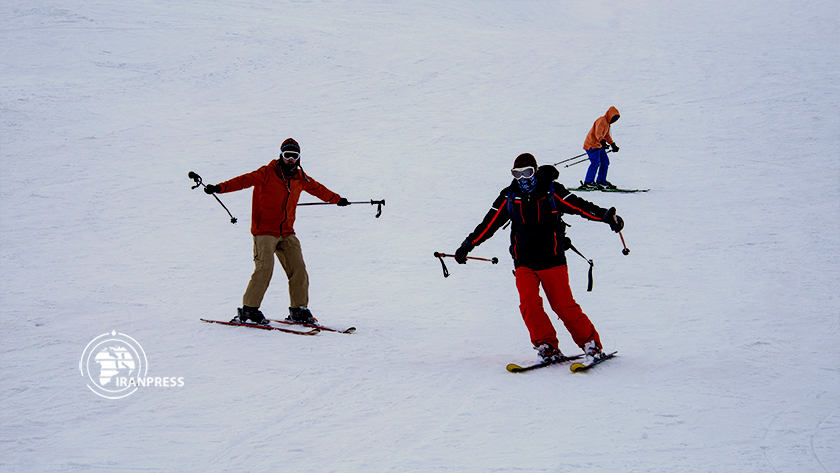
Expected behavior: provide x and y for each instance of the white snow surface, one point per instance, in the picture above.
(725, 314)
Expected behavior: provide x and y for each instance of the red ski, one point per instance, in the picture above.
(314, 326)
(314, 331)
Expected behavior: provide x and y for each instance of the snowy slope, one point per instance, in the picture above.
(725, 314)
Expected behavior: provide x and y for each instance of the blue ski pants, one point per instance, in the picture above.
(599, 163)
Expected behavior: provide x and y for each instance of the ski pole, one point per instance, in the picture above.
(440, 256)
(577, 162)
(625, 251)
(567, 160)
(195, 177)
(568, 244)
(378, 203)
(491, 260)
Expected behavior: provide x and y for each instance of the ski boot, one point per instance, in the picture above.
(548, 353)
(605, 185)
(301, 315)
(589, 185)
(249, 313)
(593, 351)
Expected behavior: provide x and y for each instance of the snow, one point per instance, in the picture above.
(725, 314)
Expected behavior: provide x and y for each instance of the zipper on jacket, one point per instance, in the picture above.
(538, 208)
(285, 202)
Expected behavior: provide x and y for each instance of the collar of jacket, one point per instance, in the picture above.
(540, 188)
(299, 173)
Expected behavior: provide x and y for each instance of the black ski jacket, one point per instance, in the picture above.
(537, 231)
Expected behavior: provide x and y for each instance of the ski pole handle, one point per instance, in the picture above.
(195, 177)
(568, 244)
(378, 204)
(442, 264)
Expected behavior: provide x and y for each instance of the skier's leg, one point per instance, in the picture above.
(555, 282)
(595, 161)
(605, 166)
(264, 246)
(530, 305)
(291, 258)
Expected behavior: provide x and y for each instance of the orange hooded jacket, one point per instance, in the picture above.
(600, 130)
(275, 198)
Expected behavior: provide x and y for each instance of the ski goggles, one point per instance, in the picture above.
(290, 156)
(520, 173)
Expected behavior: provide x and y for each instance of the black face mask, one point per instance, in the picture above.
(527, 184)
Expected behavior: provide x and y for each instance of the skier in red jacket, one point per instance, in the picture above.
(277, 188)
(534, 204)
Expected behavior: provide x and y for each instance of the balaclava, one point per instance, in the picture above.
(527, 184)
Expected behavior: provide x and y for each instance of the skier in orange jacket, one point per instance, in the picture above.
(597, 142)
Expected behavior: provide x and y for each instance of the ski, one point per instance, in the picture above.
(315, 326)
(620, 191)
(314, 331)
(576, 367)
(514, 368)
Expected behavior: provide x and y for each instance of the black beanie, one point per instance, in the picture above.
(525, 160)
(290, 145)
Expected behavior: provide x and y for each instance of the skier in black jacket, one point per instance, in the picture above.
(534, 203)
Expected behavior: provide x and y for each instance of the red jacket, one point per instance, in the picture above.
(275, 197)
(600, 130)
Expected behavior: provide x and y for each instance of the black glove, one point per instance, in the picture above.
(548, 173)
(604, 145)
(212, 189)
(462, 252)
(614, 148)
(615, 222)
(342, 202)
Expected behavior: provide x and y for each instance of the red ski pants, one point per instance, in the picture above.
(555, 283)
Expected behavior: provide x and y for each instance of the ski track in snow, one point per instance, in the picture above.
(725, 314)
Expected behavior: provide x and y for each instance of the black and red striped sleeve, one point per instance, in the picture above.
(569, 203)
(495, 218)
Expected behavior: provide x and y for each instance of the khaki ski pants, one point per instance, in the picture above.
(290, 256)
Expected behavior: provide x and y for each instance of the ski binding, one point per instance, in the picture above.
(577, 367)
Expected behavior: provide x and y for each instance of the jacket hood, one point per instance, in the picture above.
(611, 113)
